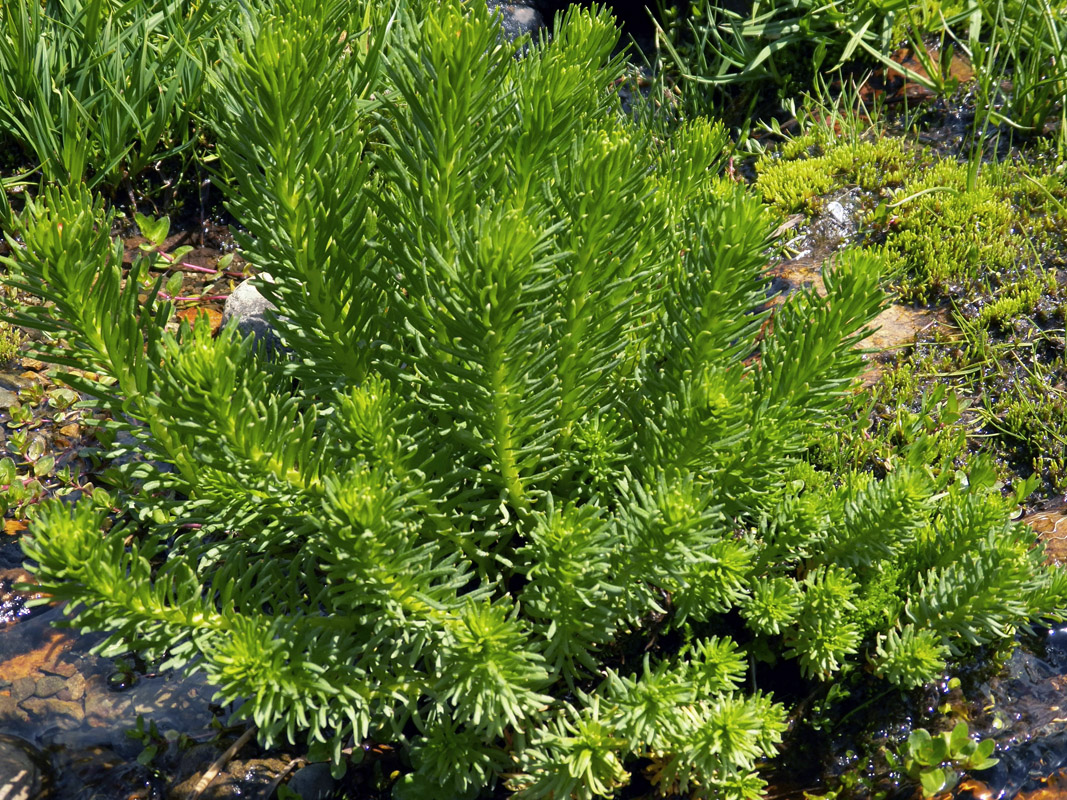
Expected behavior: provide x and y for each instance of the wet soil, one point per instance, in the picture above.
(812, 245)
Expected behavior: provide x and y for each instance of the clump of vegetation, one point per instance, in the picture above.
(936, 762)
(808, 167)
(729, 59)
(100, 90)
(986, 244)
(531, 496)
(1014, 385)
(986, 241)
(951, 231)
(11, 340)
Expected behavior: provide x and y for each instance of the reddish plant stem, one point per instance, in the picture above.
(186, 266)
(182, 298)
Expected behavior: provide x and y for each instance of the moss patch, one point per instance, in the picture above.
(807, 167)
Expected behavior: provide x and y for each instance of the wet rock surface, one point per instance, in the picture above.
(240, 778)
(1024, 709)
(77, 726)
(55, 693)
(21, 776)
(898, 326)
(1050, 524)
(95, 729)
(812, 243)
(313, 782)
(518, 19)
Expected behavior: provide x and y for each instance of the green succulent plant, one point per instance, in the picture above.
(527, 495)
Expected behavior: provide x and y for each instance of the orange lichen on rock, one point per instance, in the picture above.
(44, 658)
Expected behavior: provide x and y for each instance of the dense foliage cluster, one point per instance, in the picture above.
(526, 492)
(102, 87)
(731, 56)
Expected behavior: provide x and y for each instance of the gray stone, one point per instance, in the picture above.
(75, 688)
(252, 312)
(23, 688)
(64, 669)
(20, 775)
(9, 708)
(50, 685)
(518, 19)
(838, 212)
(313, 782)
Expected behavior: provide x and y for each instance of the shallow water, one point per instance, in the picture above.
(74, 709)
(69, 710)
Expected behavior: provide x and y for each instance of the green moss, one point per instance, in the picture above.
(978, 242)
(1018, 299)
(1011, 385)
(803, 146)
(808, 167)
(1029, 405)
(792, 185)
(11, 339)
(947, 234)
(989, 245)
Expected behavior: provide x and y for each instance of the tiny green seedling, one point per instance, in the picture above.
(154, 230)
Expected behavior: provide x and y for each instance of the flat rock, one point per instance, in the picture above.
(896, 327)
(64, 669)
(103, 707)
(1050, 525)
(50, 685)
(23, 688)
(54, 713)
(9, 709)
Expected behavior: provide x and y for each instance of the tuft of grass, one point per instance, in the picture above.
(100, 89)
